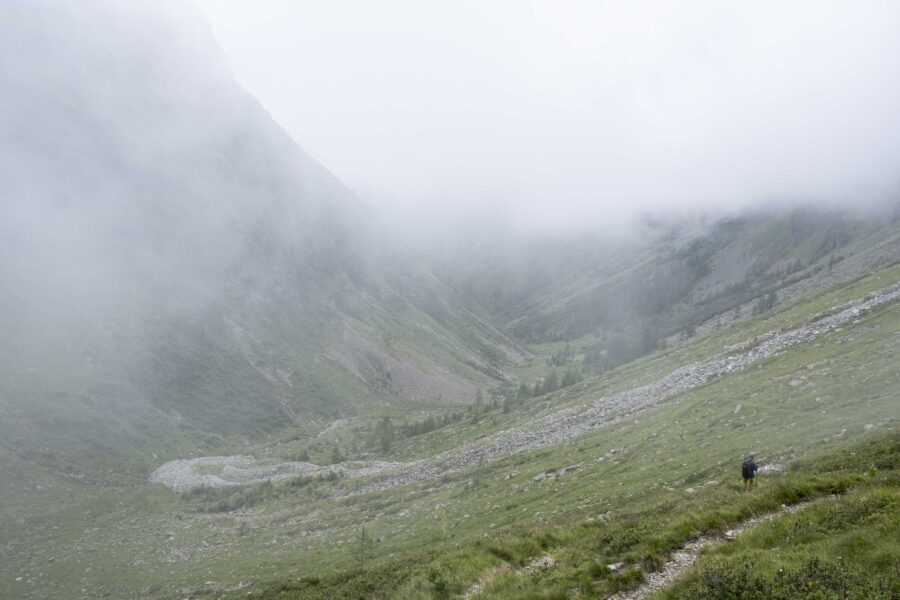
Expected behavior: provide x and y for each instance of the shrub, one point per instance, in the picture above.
(818, 579)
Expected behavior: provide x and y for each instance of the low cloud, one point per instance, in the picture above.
(565, 111)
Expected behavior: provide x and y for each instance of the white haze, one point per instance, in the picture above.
(558, 110)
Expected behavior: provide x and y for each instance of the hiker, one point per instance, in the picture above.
(748, 470)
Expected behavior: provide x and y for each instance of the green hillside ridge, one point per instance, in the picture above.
(614, 301)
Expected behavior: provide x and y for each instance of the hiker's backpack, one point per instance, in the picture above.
(747, 468)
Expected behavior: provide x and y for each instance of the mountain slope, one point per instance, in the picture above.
(174, 267)
(615, 299)
(457, 522)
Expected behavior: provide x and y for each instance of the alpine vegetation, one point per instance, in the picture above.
(559, 301)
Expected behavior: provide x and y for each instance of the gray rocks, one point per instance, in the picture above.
(551, 475)
(568, 469)
(541, 562)
(182, 475)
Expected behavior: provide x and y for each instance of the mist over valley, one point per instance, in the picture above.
(516, 345)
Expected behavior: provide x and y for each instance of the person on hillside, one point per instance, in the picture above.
(748, 471)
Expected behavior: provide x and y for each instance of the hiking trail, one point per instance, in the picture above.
(683, 558)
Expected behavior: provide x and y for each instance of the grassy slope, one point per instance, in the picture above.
(130, 536)
(857, 531)
(840, 547)
(700, 426)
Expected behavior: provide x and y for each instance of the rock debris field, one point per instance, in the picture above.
(551, 429)
(187, 474)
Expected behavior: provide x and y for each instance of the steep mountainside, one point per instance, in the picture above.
(172, 262)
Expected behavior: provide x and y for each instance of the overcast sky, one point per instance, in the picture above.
(575, 107)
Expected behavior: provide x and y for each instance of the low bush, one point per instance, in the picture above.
(734, 579)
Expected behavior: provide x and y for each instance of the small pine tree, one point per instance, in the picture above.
(428, 424)
(570, 377)
(385, 434)
(363, 546)
(336, 456)
(524, 392)
(551, 383)
(765, 303)
(690, 330)
(479, 472)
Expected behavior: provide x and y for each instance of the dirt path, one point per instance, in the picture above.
(683, 558)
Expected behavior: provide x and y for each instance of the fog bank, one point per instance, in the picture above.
(555, 112)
